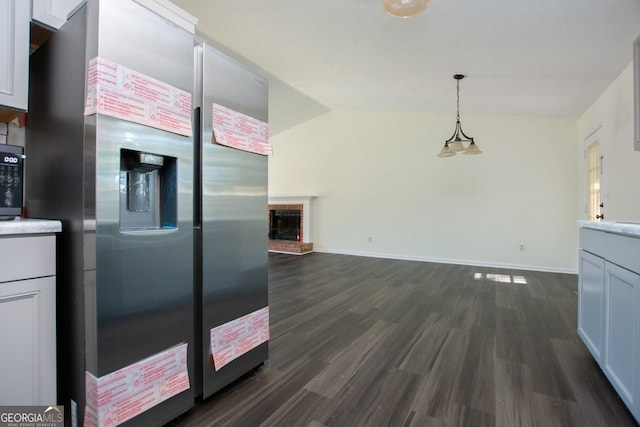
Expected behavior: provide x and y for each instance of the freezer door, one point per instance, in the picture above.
(234, 216)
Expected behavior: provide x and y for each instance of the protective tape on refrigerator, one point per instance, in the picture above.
(233, 339)
(117, 91)
(121, 395)
(236, 130)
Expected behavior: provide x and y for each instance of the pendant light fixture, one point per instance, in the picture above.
(455, 143)
(405, 8)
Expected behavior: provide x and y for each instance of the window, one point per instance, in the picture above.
(594, 173)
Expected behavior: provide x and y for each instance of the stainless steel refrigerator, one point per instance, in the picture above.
(231, 218)
(124, 193)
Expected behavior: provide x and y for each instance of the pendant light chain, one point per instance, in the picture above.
(458, 97)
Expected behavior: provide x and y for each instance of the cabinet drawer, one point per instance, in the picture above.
(27, 257)
(616, 248)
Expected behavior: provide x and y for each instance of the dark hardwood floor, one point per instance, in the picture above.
(377, 342)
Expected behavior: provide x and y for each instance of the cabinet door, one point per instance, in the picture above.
(622, 332)
(28, 336)
(591, 303)
(14, 51)
(53, 13)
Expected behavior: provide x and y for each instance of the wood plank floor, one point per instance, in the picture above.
(363, 341)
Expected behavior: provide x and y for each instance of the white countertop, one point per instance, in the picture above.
(627, 228)
(29, 226)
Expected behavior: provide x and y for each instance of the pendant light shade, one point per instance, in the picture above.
(472, 149)
(405, 8)
(455, 143)
(446, 151)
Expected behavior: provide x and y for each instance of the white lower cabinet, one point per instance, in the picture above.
(591, 302)
(28, 320)
(27, 316)
(622, 348)
(609, 309)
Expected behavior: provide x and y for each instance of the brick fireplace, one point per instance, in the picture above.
(290, 225)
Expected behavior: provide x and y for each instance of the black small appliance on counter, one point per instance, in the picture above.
(11, 181)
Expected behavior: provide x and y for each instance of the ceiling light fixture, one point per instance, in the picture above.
(405, 8)
(454, 144)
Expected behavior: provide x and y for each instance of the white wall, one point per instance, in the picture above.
(613, 113)
(377, 175)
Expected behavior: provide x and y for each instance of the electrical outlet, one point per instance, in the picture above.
(521, 248)
(370, 239)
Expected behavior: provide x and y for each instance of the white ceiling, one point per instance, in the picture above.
(542, 57)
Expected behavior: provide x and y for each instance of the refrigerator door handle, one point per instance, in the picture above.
(197, 170)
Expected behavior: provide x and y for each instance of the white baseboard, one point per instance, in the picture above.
(449, 261)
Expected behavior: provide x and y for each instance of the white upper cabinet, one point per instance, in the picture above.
(14, 53)
(53, 13)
